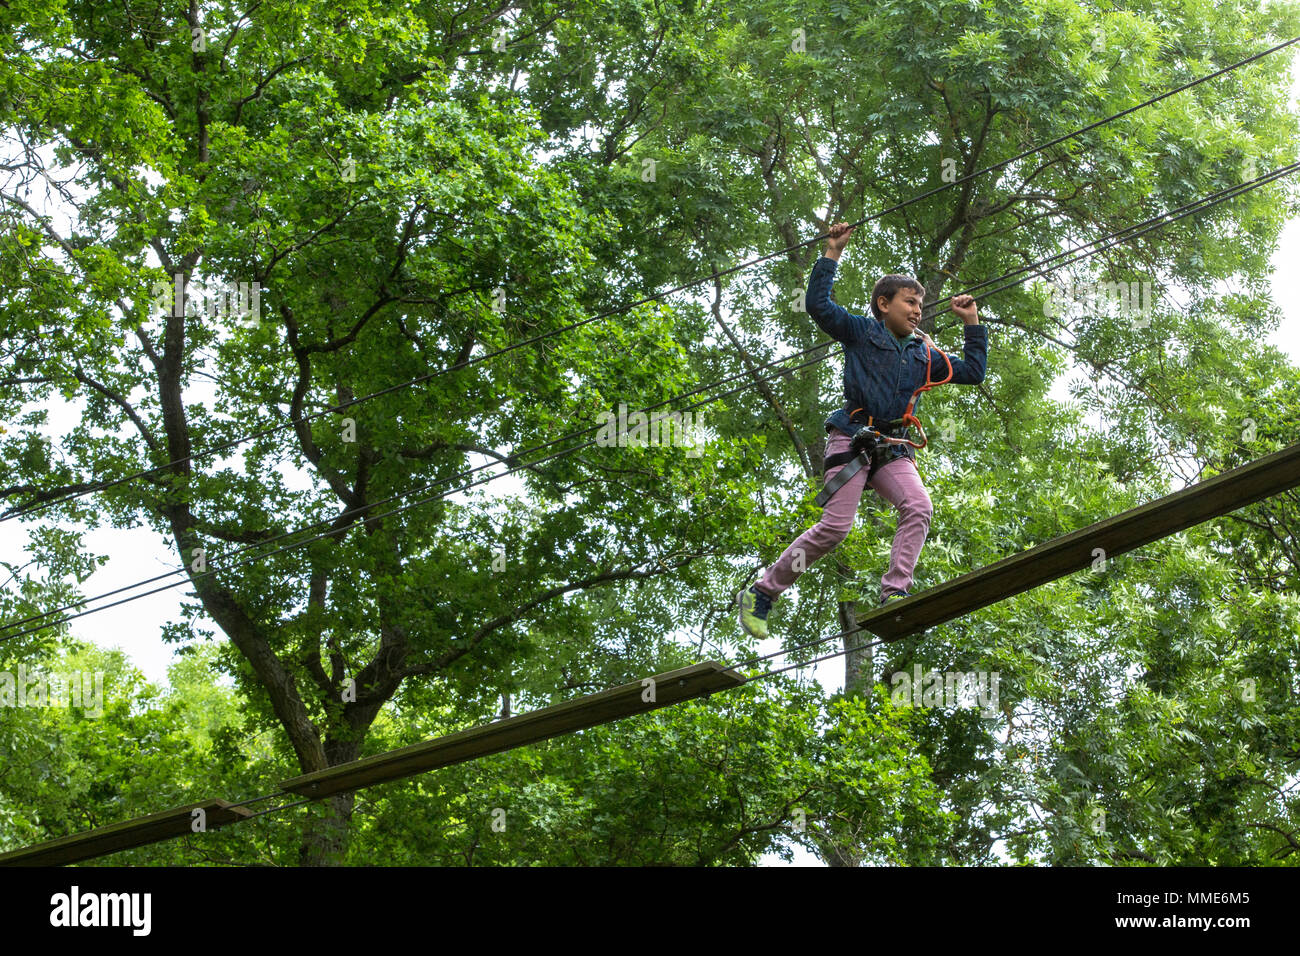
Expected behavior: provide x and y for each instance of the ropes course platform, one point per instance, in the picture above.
(1212, 498)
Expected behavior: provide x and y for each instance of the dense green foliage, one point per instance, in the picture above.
(413, 185)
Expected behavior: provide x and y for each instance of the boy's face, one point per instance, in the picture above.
(902, 313)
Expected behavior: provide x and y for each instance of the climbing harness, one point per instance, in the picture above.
(868, 438)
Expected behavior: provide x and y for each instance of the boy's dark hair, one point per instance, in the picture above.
(890, 284)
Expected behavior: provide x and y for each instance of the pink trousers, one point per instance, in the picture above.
(898, 483)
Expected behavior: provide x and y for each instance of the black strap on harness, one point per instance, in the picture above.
(861, 448)
(866, 438)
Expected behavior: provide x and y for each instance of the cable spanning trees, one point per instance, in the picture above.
(410, 196)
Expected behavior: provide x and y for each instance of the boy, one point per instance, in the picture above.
(884, 364)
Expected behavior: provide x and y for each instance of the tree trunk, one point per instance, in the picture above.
(858, 664)
(858, 659)
(325, 840)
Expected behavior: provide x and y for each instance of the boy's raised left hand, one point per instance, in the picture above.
(963, 306)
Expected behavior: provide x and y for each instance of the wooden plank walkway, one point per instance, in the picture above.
(125, 835)
(698, 680)
(673, 687)
(1216, 496)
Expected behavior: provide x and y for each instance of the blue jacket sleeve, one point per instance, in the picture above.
(970, 369)
(835, 320)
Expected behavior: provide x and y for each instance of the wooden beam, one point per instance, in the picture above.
(698, 680)
(125, 835)
(1216, 496)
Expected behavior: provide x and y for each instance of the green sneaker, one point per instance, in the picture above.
(754, 605)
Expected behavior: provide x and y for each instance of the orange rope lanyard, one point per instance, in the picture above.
(908, 418)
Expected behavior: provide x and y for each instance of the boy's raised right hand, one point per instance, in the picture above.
(839, 237)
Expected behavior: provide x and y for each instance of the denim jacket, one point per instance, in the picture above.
(879, 377)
